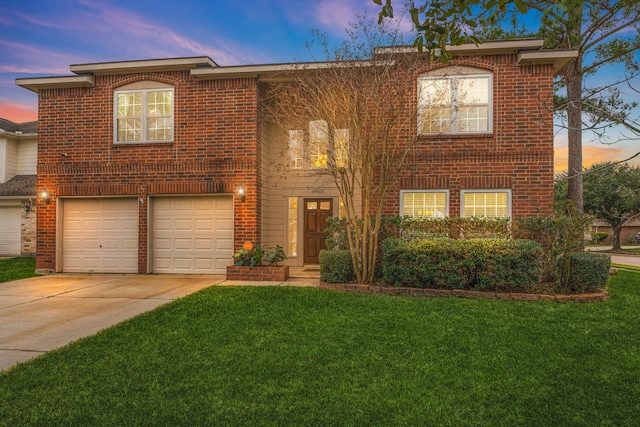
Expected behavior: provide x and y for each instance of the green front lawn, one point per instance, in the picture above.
(306, 356)
(17, 268)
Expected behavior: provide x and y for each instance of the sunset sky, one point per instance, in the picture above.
(43, 37)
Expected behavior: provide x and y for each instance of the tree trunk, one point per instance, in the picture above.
(615, 239)
(574, 121)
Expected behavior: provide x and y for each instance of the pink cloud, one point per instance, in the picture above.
(34, 60)
(118, 29)
(122, 26)
(18, 113)
(594, 154)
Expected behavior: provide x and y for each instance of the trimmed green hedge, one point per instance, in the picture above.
(495, 264)
(336, 267)
(580, 272)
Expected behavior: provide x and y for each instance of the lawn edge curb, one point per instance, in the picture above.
(597, 296)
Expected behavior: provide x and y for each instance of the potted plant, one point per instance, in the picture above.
(248, 264)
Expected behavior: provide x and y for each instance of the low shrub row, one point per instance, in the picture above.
(476, 253)
(478, 264)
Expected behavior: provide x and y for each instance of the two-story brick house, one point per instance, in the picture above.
(163, 166)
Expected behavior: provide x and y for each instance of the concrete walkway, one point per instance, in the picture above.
(47, 312)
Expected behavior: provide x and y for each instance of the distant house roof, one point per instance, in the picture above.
(26, 127)
(19, 186)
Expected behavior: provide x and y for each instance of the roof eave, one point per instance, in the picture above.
(142, 66)
(559, 58)
(35, 84)
(501, 47)
(272, 71)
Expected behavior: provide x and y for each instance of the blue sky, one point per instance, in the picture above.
(43, 37)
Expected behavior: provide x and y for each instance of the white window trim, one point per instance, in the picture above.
(446, 192)
(143, 88)
(487, 190)
(287, 223)
(440, 76)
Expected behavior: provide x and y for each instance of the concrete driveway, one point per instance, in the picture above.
(47, 312)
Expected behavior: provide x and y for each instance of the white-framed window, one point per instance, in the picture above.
(292, 226)
(318, 142)
(486, 203)
(455, 104)
(325, 146)
(341, 147)
(424, 203)
(296, 149)
(143, 114)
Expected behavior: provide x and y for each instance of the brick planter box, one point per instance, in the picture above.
(258, 273)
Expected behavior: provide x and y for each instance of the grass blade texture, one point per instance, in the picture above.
(304, 356)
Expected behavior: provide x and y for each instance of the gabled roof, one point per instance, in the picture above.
(19, 186)
(26, 127)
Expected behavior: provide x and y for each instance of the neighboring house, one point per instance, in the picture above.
(628, 234)
(164, 166)
(18, 158)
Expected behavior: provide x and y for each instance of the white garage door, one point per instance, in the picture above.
(100, 235)
(10, 230)
(192, 235)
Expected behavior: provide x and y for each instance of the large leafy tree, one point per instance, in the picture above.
(604, 32)
(611, 193)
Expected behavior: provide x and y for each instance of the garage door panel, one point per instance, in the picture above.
(204, 225)
(162, 224)
(223, 245)
(186, 233)
(161, 263)
(100, 235)
(10, 220)
(183, 244)
(182, 225)
(130, 245)
(224, 224)
(161, 244)
(204, 264)
(183, 264)
(204, 244)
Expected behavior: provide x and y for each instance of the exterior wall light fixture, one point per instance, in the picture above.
(242, 194)
(45, 196)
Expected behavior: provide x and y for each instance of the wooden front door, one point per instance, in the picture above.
(316, 212)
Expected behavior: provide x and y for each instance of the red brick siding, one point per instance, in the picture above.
(258, 274)
(517, 155)
(215, 150)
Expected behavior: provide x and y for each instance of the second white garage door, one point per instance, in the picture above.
(192, 235)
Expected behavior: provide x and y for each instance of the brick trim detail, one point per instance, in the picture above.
(261, 273)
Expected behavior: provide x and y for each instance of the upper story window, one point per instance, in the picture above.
(324, 146)
(455, 103)
(296, 149)
(318, 143)
(143, 112)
